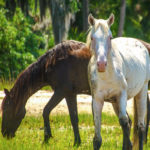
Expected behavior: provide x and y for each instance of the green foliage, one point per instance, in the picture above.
(74, 34)
(73, 5)
(138, 20)
(104, 8)
(51, 41)
(19, 45)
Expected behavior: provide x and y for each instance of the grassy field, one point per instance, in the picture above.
(30, 134)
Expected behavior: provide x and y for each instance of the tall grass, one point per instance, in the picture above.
(30, 134)
(8, 84)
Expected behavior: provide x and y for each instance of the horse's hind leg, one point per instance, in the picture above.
(72, 107)
(140, 101)
(116, 109)
(127, 145)
(148, 118)
(55, 99)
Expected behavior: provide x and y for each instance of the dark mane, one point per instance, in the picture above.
(66, 49)
(28, 81)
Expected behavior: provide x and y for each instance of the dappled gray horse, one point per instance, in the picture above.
(118, 70)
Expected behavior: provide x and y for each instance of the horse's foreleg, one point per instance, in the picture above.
(72, 107)
(124, 120)
(126, 132)
(97, 111)
(55, 99)
(141, 104)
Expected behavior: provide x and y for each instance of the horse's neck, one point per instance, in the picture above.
(27, 85)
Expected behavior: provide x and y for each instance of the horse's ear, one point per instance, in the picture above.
(111, 19)
(7, 92)
(91, 20)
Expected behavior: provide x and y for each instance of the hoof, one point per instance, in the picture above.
(77, 142)
(96, 144)
(46, 138)
(130, 146)
(127, 146)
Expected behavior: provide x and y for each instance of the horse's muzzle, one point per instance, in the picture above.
(101, 66)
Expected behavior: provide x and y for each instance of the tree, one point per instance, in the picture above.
(85, 10)
(61, 13)
(122, 17)
(24, 5)
(61, 17)
(11, 6)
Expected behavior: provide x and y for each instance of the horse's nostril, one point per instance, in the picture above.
(101, 66)
(97, 63)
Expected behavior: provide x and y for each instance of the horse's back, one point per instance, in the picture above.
(134, 54)
(135, 60)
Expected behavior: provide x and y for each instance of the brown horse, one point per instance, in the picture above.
(64, 68)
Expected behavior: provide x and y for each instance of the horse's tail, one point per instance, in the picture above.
(135, 127)
(147, 118)
(147, 45)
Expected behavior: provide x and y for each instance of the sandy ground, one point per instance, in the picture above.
(36, 103)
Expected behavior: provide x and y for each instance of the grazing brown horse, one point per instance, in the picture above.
(64, 68)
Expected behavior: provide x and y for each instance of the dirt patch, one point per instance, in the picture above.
(36, 103)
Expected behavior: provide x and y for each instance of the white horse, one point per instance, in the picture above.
(118, 70)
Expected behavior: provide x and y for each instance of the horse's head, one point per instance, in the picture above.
(100, 40)
(11, 118)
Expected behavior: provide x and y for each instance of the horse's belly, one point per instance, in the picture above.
(108, 91)
(133, 90)
(135, 81)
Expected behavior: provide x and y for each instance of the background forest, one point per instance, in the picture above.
(28, 28)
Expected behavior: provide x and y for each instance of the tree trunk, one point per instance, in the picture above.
(43, 5)
(11, 6)
(85, 10)
(23, 4)
(122, 17)
(60, 19)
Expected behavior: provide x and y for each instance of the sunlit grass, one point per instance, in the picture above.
(30, 134)
(8, 84)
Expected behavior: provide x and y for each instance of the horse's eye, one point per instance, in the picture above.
(111, 37)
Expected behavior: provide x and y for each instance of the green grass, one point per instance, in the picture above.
(8, 84)
(48, 88)
(30, 134)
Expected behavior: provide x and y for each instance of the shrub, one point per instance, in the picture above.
(19, 45)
